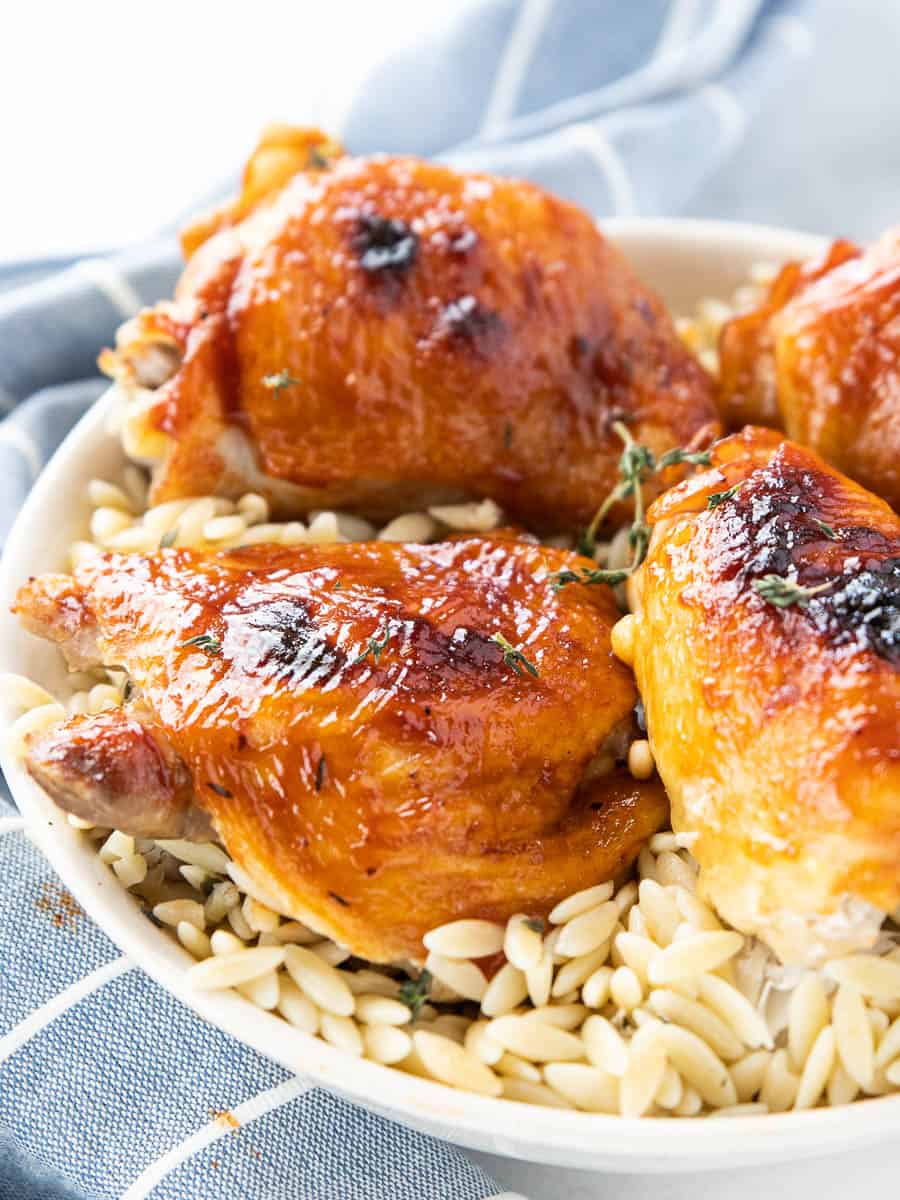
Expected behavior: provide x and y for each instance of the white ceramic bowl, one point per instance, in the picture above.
(683, 260)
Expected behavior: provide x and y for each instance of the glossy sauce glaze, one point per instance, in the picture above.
(821, 359)
(767, 653)
(368, 752)
(441, 335)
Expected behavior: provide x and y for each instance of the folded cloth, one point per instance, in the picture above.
(108, 1086)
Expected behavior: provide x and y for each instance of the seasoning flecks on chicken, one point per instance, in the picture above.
(766, 644)
(383, 333)
(385, 736)
(820, 358)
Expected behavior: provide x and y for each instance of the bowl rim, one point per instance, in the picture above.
(513, 1128)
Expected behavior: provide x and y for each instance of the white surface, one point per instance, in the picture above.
(684, 261)
(861, 1176)
(119, 117)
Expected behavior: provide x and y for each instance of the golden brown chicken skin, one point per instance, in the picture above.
(378, 333)
(766, 644)
(821, 359)
(367, 751)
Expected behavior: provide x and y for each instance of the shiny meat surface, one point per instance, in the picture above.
(367, 750)
(383, 333)
(767, 653)
(821, 360)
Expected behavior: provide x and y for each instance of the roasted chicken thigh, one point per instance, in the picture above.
(377, 333)
(384, 736)
(765, 638)
(820, 358)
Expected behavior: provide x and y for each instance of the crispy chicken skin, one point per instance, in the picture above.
(377, 333)
(776, 730)
(366, 751)
(820, 359)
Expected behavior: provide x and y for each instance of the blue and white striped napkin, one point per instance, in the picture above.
(108, 1086)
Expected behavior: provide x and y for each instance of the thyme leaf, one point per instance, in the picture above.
(281, 379)
(588, 575)
(782, 592)
(320, 772)
(514, 658)
(374, 647)
(826, 529)
(718, 498)
(205, 642)
(169, 538)
(414, 992)
(534, 923)
(672, 458)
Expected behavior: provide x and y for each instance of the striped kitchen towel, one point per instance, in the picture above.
(108, 1086)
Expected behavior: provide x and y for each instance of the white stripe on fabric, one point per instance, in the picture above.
(703, 56)
(114, 285)
(15, 436)
(11, 825)
(517, 55)
(42, 1017)
(257, 1106)
(592, 139)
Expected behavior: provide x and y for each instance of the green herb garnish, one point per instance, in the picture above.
(414, 992)
(374, 647)
(636, 463)
(534, 923)
(320, 772)
(507, 435)
(514, 658)
(317, 161)
(826, 529)
(127, 691)
(783, 592)
(218, 789)
(281, 379)
(205, 642)
(559, 579)
(169, 538)
(718, 498)
(696, 458)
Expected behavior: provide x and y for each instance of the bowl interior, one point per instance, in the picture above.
(684, 261)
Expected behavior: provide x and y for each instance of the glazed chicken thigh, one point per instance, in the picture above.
(820, 358)
(765, 638)
(384, 736)
(381, 333)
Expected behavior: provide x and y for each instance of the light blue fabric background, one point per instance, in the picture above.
(647, 107)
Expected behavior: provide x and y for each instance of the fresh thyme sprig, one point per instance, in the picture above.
(826, 529)
(514, 658)
(205, 642)
(636, 464)
(718, 498)
(414, 992)
(696, 458)
(374, 647)
(281, 379)
(783, 592)
(559, 579)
